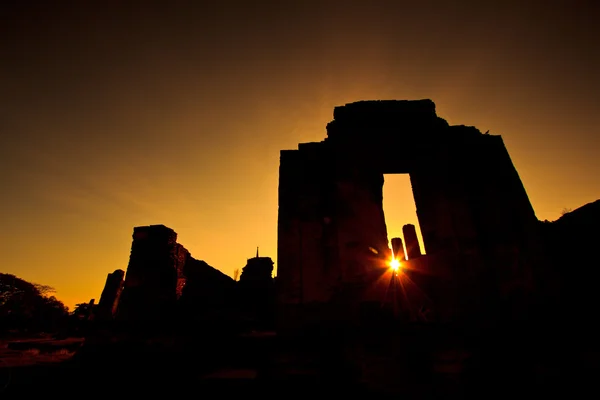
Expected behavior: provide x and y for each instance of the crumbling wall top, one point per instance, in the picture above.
(385, 118)
(201, 269)
(154, 231)
(385, 109)
(156, 228)
(118, 273)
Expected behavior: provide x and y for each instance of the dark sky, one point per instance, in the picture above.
(118, 115)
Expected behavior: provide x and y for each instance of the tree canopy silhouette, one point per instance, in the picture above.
(27, 306)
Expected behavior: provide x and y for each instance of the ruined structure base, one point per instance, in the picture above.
(411, 360)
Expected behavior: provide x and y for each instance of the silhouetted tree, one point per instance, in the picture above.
(26, 306)
(83, 311)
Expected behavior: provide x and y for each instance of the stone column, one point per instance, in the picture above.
(151, 285)
(398, 248)
(412, 242)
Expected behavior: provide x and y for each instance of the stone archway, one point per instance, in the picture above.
(472, 207)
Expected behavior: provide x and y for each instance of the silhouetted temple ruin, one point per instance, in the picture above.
(109, 300)
(257, 270)
(478, 226)
(163, 279)
(257, 290)
(479, 284)
(479, 230)
(154, 278)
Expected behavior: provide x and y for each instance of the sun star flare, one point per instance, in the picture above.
(395, 265)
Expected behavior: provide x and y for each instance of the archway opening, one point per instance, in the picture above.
(399, 208)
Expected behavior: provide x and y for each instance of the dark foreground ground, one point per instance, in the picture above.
(412, 363)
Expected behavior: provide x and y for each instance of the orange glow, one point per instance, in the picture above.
(192, 140)
(395, 265)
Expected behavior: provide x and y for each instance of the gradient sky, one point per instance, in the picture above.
(118, 116)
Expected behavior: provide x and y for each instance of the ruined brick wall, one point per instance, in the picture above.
(153, 274)
(179, 258)
(441, 193)
(164, 282)
(207, 291)
(474, 212)
(507, 227)
(109, 300)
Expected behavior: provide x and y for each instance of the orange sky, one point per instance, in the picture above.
(117, 117)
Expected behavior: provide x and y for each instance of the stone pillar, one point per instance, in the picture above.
(154, 278)
(107, 307)
(398, 248)
(307, 272)
(412, 242)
